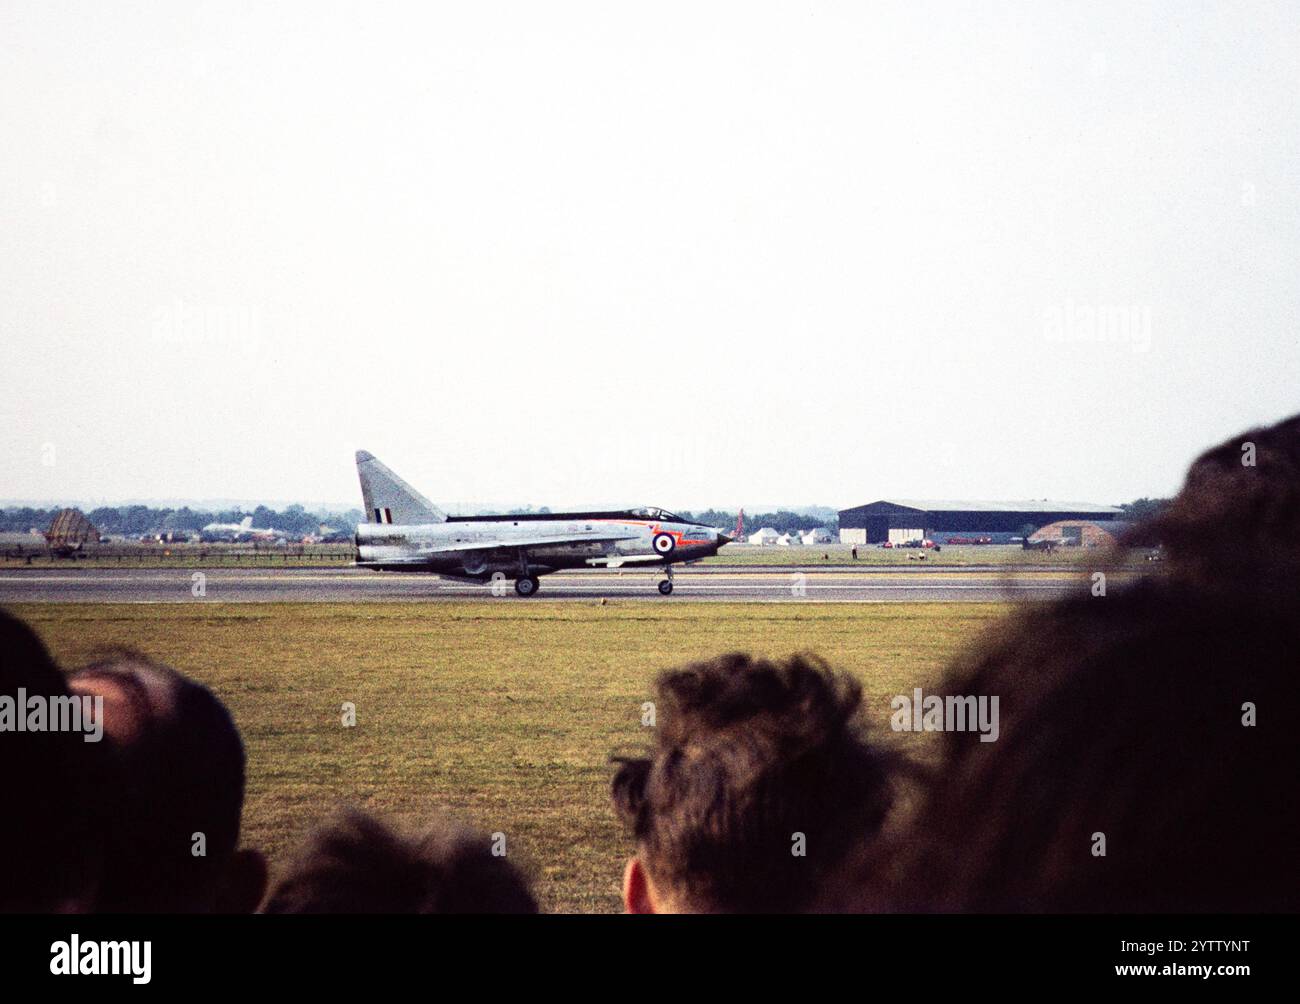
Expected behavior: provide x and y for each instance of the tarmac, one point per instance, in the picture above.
(692, 585)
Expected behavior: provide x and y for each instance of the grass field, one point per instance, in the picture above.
(504, 713)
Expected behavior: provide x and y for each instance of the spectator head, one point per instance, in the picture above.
(1238, 514)
(1145, 763)
(48, 842)
(174, 831)
(1147, 749)
(760, 782)
(353, 863)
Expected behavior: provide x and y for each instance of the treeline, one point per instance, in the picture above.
(1140, 509)
(142, 520)
(783, 521)
(296, 521)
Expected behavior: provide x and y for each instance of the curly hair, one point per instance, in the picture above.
(760, 783)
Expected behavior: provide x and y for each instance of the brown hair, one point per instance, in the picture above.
(354, 863)
(752, 757)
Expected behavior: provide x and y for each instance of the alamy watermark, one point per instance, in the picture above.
(38, 713)
(954, 713)
(75, 957)
(182, 323)
(1127, 325)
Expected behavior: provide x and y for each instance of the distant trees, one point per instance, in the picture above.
(184, 518)
(1143, 508)
(141, 520)
(296, 521)
(782, 521)
(24, 518)
(715, 517)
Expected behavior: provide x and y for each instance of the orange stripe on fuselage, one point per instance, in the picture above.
(679, 535)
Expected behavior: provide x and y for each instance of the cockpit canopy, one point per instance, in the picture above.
(652, 512)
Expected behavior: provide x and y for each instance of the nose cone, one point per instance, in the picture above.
(723, 538)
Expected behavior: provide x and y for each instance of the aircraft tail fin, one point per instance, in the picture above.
(389, 499)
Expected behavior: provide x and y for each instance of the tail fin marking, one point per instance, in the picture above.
(389, 499)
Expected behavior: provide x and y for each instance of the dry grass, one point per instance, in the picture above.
(504, 713)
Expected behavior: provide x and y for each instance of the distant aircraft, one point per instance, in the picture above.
(70, 532)
(405, 532)
(235, 532)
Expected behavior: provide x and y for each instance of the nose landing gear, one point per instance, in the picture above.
(666, 585)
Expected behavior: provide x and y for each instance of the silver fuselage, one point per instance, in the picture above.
(478, 549)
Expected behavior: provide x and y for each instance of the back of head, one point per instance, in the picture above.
(760, 781)
(48, 842)
(176, 807)
(1147, 750)
(353, 863)
(1238, 514)
(1145, 763)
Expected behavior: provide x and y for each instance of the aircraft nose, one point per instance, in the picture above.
(723, 538)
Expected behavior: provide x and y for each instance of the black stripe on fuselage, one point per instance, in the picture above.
(550, 516)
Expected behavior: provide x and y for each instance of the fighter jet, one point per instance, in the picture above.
(405, 532)
(236, 532)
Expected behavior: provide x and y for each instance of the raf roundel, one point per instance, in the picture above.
(664, 543)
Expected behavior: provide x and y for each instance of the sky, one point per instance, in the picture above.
(689, 255)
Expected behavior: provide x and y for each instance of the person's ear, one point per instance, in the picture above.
(636, 888)
(245, 883)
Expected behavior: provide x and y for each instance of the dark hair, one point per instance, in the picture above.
(181, 772)
(748, 754)
(354, 863)
(1123, 716)
(48, 844)
(1160, 716)
(1235, 519)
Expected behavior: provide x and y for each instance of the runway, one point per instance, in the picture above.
(705, 584)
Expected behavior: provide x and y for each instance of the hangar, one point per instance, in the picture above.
(1082, 532)
(901, 520)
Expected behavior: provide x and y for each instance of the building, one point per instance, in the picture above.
(1081, 533)
(819, 536)
(901, 520)
(765, 536)
(790, 540)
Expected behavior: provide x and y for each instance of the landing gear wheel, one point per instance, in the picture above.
(664, 543)
(666, 587)
(527, 585)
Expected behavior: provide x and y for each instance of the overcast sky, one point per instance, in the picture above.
(685, 255)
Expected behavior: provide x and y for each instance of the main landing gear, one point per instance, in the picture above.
(666, 585)
(526, 584)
